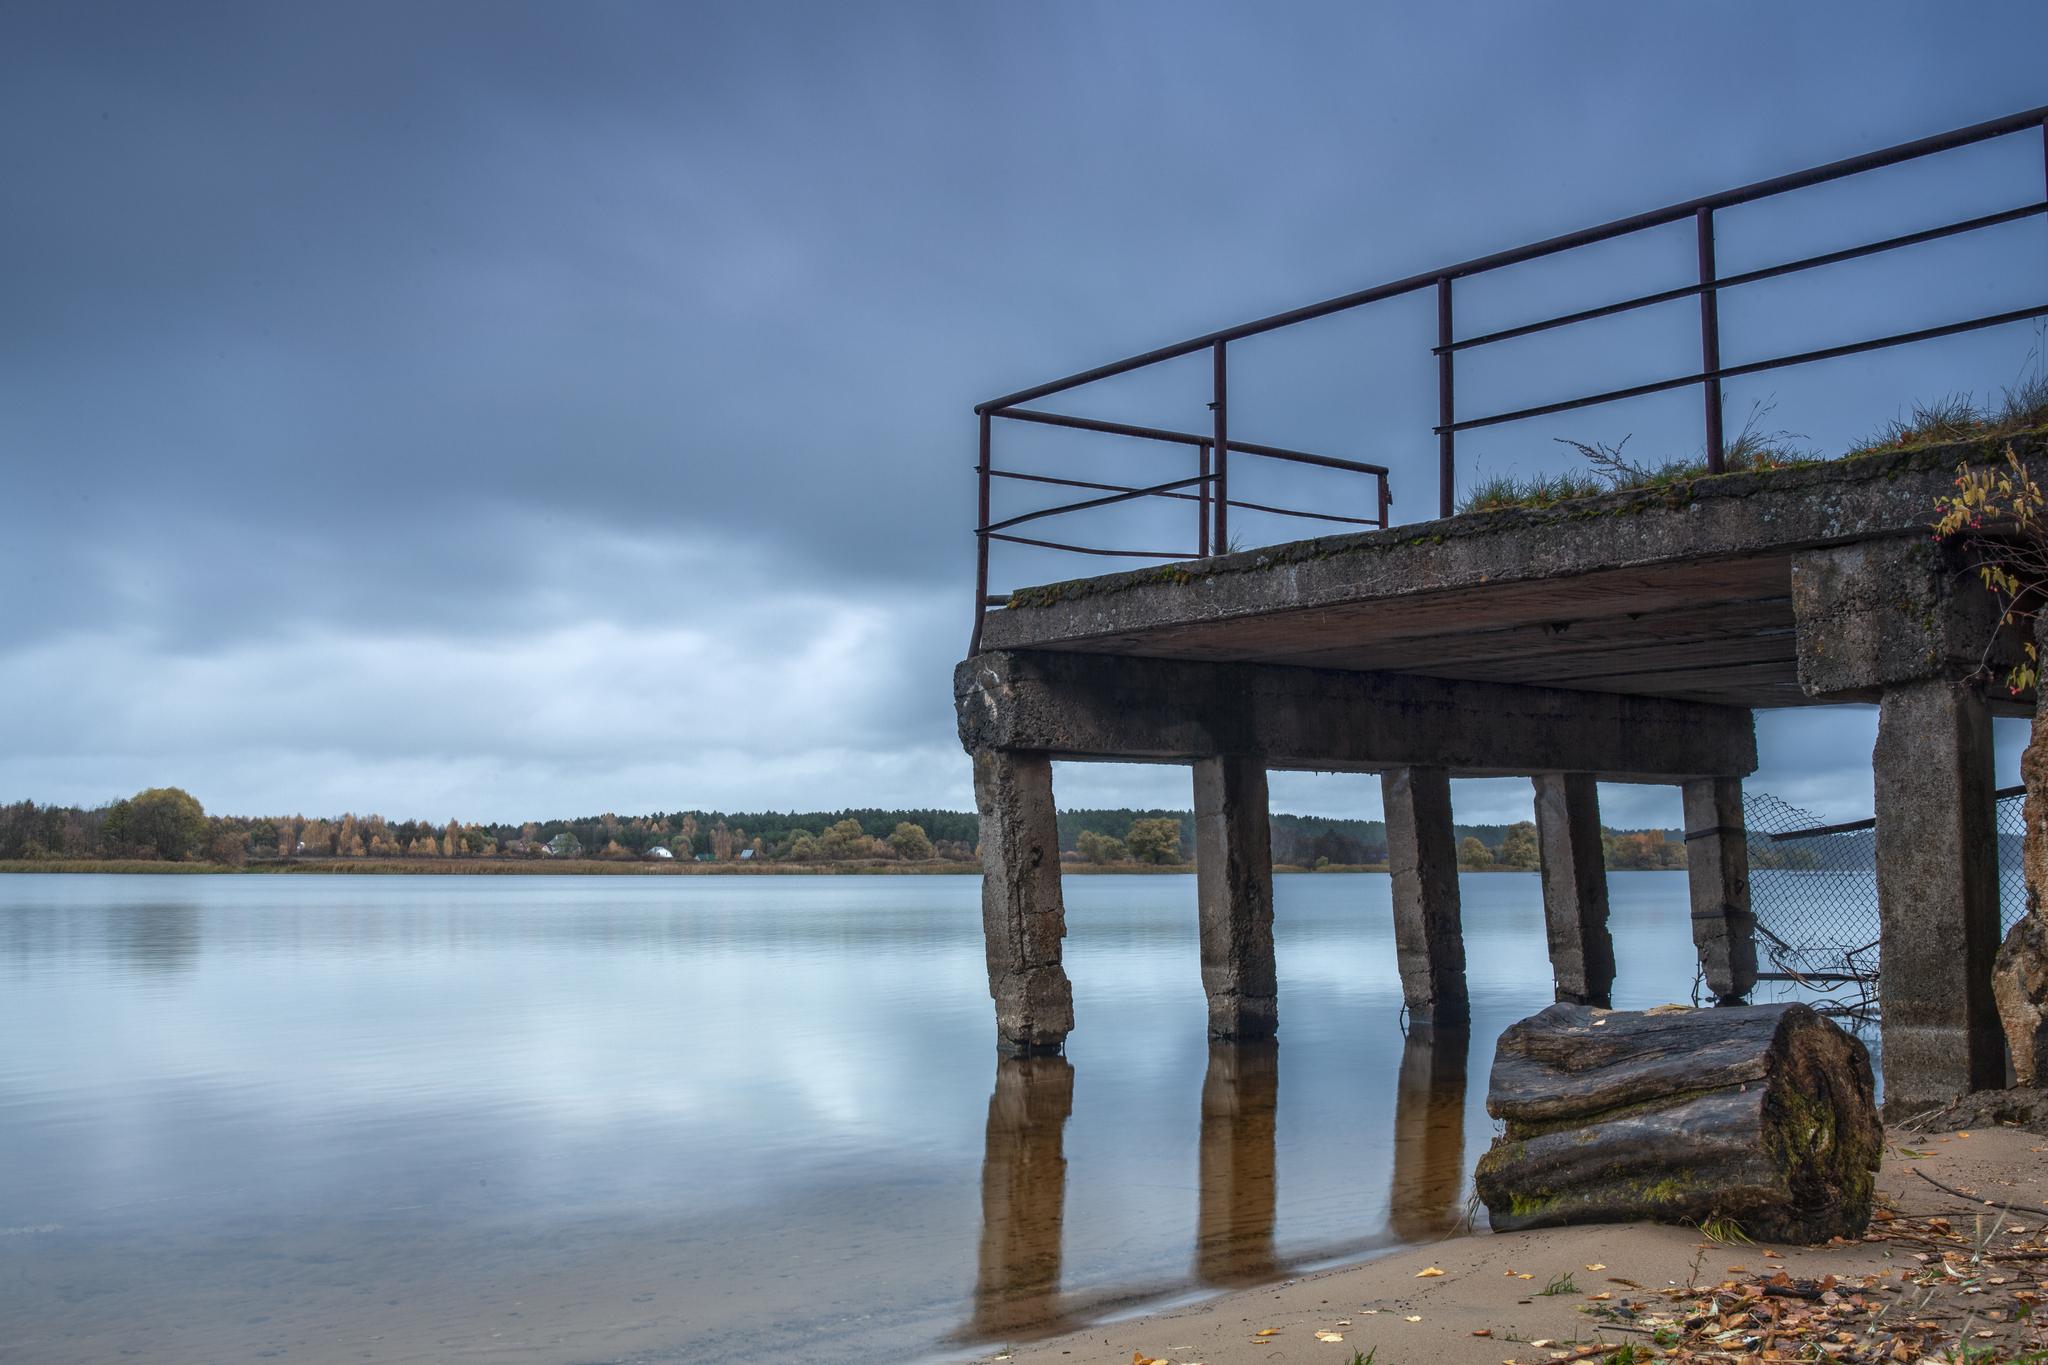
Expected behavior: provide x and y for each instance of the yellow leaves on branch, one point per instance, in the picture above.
(2003, 513)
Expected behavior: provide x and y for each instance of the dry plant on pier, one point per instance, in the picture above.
(2001, 515)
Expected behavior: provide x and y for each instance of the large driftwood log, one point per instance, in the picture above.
(1761, 1114)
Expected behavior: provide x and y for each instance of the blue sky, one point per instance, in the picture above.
(504, 410)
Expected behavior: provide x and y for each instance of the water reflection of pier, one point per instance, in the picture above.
(1024, 1180)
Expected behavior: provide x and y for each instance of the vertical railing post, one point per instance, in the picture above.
(1710, 339)
(1386, 500)
(1446, 409)
(1221, 407)
(1202, 511)
(981, 544)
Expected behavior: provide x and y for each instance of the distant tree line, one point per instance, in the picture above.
(167, 823)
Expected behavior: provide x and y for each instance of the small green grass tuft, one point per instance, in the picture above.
(1726, 1231)
(1559, 1284)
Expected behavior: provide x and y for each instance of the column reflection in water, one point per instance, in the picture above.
(1234, 1225)
(1429, 1133)
(1023, 1198)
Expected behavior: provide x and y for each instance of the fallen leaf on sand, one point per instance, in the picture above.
(1738, 1270)
(1421, 1274)
(1343, 1322)
(1540, 1342)
(1370, 1311)
(1616, 1279)
(1269, 1331)
(1603, 1294)
(1520, 1276)
(1482, 1331)
(1140, 1358)
(1417, 1317)
(1329, 1336)
(1596, 1267)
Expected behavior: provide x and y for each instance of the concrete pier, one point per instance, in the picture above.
(1023, 917)
(1422, 855)
(1622, 638)
(1574, 872)
(1234, 896)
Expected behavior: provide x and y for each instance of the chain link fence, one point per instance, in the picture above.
(1813, 888)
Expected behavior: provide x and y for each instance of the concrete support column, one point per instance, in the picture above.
(1023, 917)
(1234, 1216)
(1574, 888)
(1234, 889)
(1717, 869)
(1429, 940)
(1937, 894)
(1023, 1195)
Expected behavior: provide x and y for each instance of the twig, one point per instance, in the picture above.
(1930, 1115)
(1949, 1189)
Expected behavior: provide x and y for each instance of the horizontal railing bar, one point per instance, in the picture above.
(1184, 497)
(1315, 516)
(1755, 367)
(1092, 502)
(1186, 438)
(2003, 792)
(1107, 487)
(1620, 227)
(1084, 550)
(1749, 277)
(1056, 419)
(1297, 457)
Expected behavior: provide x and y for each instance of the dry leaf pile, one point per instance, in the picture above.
(1961, 1294)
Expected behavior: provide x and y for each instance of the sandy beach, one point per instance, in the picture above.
(1490, 1283)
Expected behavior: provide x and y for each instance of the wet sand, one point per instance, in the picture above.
(1404, 1317)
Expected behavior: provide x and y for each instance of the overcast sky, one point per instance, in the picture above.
(508, 410)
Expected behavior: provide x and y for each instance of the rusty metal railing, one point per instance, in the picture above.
(1210, 484)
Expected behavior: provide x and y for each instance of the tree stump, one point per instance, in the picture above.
(1764, 1115)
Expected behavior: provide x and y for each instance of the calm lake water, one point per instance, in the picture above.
(566, 1119)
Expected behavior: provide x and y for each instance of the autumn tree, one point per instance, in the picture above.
(1155, 841)
(1474, 856)
(1519, 848)
(910, 842)
(1099, 848)
(721, 843)
(168, 821)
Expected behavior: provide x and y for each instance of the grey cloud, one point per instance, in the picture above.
(471, 329)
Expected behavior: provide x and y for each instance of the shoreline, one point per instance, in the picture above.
(1394, 1305)
(580, 867)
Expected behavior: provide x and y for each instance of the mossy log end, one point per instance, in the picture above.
(1765, 1115)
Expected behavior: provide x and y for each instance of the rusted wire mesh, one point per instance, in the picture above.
(1813, 888)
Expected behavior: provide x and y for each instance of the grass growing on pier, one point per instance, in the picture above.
(1609, 469)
